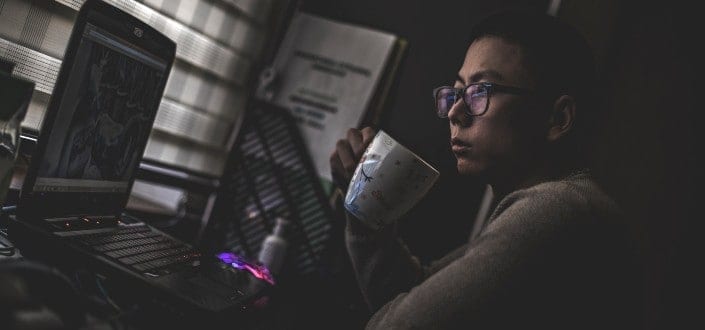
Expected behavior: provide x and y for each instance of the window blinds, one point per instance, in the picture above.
(218, 41)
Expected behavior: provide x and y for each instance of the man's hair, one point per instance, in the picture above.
(558, 58)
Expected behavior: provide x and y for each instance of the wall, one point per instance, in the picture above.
(646, 155)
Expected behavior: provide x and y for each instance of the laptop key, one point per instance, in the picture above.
(118, 238)
(125, 244)
(153, 255)
(168, 261)
(132, 250)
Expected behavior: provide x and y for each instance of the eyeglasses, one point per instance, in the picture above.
(475, 96)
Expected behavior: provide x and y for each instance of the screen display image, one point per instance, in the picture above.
(104, 116)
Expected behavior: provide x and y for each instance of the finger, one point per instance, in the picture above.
(355, 139)
(368, 133)
(336, 171)
(334, 161)
(347, 157)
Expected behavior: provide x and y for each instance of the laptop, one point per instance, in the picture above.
(71, 208)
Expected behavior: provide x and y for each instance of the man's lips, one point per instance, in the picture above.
(459, 147)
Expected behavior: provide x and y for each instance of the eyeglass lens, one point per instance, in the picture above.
(475, 99)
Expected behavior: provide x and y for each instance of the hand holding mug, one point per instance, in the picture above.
(388, 180)
(347, 154)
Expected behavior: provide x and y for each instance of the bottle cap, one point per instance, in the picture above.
(282, 227)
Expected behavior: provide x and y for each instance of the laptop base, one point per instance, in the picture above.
(211, 293)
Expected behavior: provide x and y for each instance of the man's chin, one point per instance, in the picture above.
(469, 168)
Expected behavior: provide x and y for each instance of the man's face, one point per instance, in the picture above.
(503, 140)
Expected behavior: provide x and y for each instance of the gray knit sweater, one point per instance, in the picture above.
(554, 255)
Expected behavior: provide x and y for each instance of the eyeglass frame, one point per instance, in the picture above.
(491, 88)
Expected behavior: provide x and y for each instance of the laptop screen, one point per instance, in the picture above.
(99, 117)
(103, 116)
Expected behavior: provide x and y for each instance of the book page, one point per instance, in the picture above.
(327, 73)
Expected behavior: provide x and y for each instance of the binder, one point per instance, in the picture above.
(331, 76)
(270, 174)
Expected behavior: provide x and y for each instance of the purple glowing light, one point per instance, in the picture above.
(259, 271)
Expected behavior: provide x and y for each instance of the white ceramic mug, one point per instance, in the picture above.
(388, 181)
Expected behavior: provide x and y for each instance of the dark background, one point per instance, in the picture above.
(645, 156)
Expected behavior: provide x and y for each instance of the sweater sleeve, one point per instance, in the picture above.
(384, 266)
(474, 287)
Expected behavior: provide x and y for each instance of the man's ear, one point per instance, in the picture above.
(562, 118)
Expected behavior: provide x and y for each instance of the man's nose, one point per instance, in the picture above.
(457, 114)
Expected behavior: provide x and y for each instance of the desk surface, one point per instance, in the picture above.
(290, 308)
(25, 310)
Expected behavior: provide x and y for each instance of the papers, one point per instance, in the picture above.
(156, 198)
(326, 74)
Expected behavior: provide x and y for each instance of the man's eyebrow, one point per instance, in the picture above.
(480, 75)
(486, 74)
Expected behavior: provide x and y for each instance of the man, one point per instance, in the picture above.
(554, 253)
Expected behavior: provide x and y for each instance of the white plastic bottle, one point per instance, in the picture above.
(274, 246)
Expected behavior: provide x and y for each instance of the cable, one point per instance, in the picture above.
(97, 295)
(7, 249)
(4, 212)
(106, 296)
(9, 209)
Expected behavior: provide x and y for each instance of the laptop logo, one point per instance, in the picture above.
(138, 32)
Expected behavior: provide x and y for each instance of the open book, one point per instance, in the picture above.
(331, 76)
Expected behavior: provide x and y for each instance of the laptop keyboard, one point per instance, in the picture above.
(141, 248)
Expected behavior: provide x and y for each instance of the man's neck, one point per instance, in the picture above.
(516, 180)
(502, 189)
